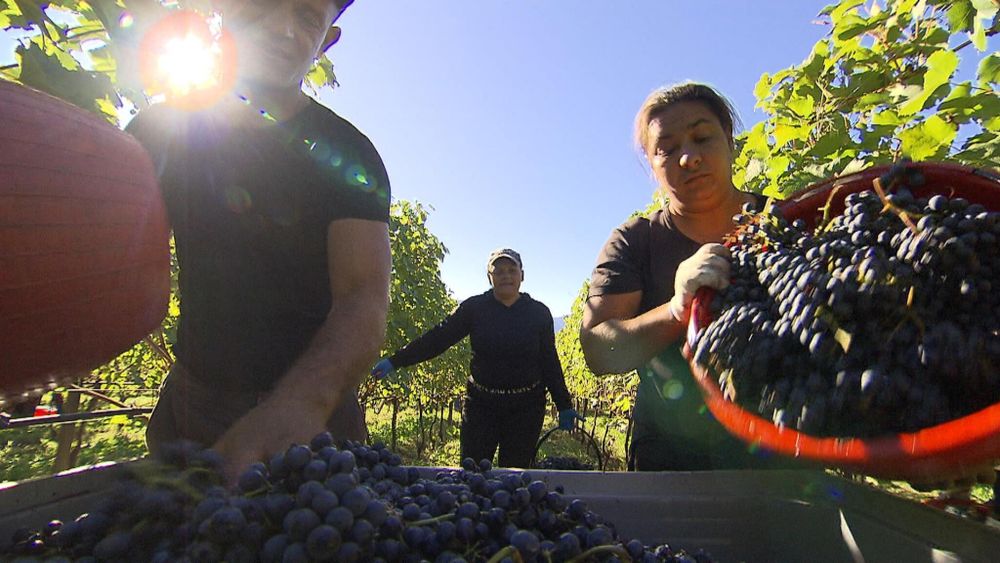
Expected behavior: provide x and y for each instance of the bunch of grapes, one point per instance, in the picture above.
(883, 319)
(326, 503)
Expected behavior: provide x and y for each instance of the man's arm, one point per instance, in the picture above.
(338, 357)
(614, 341)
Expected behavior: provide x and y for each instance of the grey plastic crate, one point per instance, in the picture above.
(752, 516)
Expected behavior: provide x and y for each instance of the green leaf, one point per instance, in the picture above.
(777, 166)
(930, 138)
(316, 77)
(851, 26)
(855, 165)
(989, 70)
(833, 140)
(887, 117)
(762, 89)
(802, 105)
(978, 35)
(985, 9)
(843, 8)
(102, 59)
(78, 87)
(827, 10)
(960, 102)
(960, 15)
(31, 10)
(940, 66)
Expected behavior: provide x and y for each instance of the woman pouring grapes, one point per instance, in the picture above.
(646, 275)
(645, 278)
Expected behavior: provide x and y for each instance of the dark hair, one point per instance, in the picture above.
(666, 96)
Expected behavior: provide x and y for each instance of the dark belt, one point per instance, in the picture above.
(496, 391)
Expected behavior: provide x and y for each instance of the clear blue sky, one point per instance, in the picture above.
(513, 119)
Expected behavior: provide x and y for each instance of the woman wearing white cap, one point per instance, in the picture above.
(514, 361)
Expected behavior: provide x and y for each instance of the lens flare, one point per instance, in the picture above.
(188, 64)
(186, 58)
(673, 390)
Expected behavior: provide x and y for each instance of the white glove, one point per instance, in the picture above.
(708, 267)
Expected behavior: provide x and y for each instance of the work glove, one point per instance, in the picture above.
(568, 418)
(708, 267)
(383, 369)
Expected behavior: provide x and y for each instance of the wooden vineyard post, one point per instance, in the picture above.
(395, 419)
(65, 436)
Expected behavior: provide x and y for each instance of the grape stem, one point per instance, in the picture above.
(509, 551)
(827, 208)
(903, 215)
(600, 550)
(435, 520)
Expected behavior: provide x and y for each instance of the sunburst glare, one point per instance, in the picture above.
(188, 63)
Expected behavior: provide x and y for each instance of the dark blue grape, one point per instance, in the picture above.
(525, 542)
(356, 500)
(323, 542)
(340, 518)
(324, 501)
(295, 553)
(361, 532)
(297, 457)
(349, 552)
(299, 522)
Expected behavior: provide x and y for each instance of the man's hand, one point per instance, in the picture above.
(336, 360)
(383, 369)
(268, 428)
(568, 418)
(708, 267)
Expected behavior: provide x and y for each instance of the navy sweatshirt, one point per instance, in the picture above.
(512, 347)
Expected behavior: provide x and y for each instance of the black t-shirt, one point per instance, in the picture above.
(250, 208)
(642, 255)
(512, 347)
(673, 429)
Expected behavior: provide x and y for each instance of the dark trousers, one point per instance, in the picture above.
(189, 409)
(513, 423)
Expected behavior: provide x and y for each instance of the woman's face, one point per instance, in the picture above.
(505, 277)
(691, 155)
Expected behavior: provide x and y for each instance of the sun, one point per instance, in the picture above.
(188, 63)
(187, 59)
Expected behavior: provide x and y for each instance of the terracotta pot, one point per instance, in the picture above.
(943, 450)
(84, 252)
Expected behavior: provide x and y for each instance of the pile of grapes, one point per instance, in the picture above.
(326, 503)
(883, 319)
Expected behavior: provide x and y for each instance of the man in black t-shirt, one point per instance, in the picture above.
(281, 231)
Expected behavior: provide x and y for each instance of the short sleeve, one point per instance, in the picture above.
(622, 260)
(350, 179)
(367, 193)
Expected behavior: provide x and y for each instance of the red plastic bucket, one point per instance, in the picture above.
(938, 452)
(84, 254)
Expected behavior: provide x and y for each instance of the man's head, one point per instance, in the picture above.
(279, 40)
